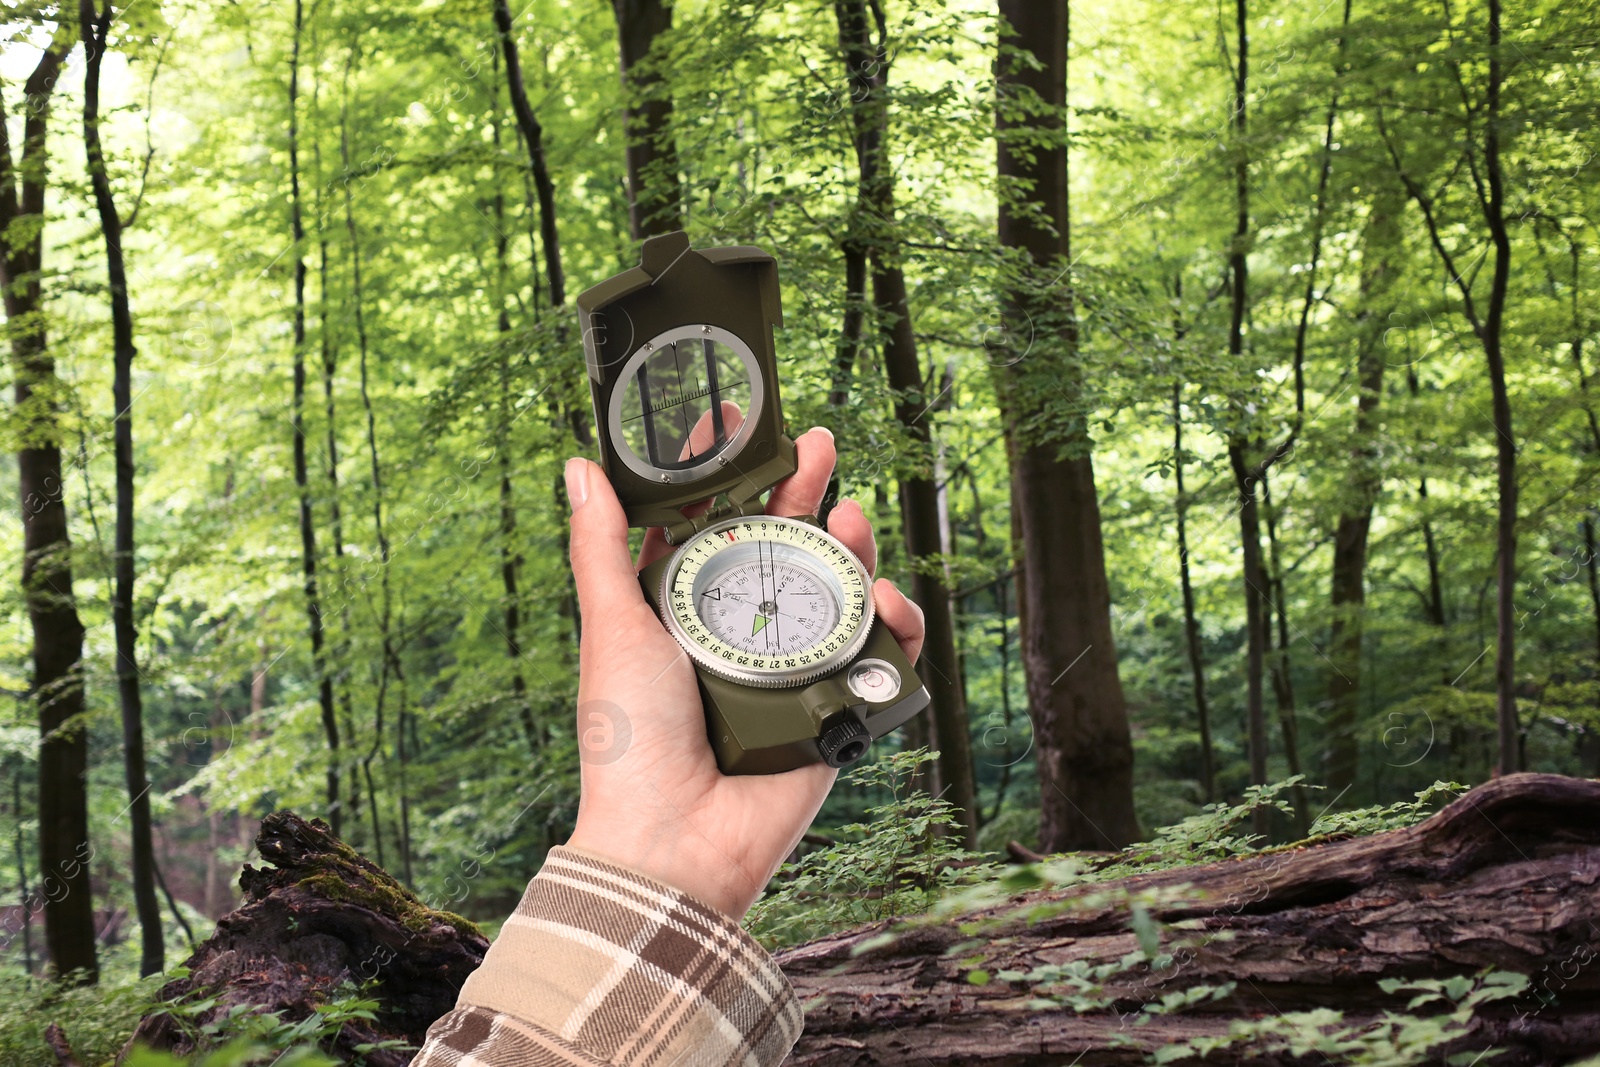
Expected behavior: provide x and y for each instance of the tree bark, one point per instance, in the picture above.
(1348, 577)
(57, 653)
(867, 68)
(95, 27)
(1292, 930)
(655, 198)
(322, 915)
(308, 532)
(1080, 719)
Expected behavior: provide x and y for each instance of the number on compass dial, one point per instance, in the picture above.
(767, 601)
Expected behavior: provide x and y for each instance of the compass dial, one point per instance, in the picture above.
(767, 601)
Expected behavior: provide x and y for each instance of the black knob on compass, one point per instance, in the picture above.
(843, 743)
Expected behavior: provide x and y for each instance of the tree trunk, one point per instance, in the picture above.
(1292, 931)
(1191, 626)
(1348, 579)
(1255, 625)
(1281, 669)
(322, 915)
(533, 140)
(1080, 718)
(390, 664)
(338, 575)
(510, 558)
(655, 199)
(1488, 327)
(308, 532)
(95, 27)
(867, 70)
(25, 903)
(1505, 679)
(57, 683)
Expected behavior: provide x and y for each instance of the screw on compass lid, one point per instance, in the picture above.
(843, 743)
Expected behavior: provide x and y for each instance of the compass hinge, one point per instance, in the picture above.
(721, 508)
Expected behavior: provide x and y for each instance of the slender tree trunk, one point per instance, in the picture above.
(1488, 328)
(308, 533)
(866, 67)
(655, 198)
(848, 351)
(1069, 659)
(1191, 625)
(1255, 623)
(338, 575)
(390, 663)
(1282, 678)
(57, 683)
(1348, 578)
(533, 141)
(1505, 446)
(1433, 603)
(95, 26)
(510, 558)
(1247, 476)
(24, 898)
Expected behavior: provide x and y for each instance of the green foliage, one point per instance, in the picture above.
(249, 1035)
(1211, 835)
(96, 1019)
(1380, 817)
(896, 863)
(1395, 1040)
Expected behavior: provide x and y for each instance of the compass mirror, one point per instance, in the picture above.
(683, 401)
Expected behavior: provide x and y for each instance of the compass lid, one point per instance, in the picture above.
(683, 375)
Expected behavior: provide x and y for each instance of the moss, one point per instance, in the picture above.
(353, 885)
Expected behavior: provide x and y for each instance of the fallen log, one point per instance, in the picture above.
(1505, 877)
(319, 917)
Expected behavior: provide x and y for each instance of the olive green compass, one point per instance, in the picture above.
(776, 614)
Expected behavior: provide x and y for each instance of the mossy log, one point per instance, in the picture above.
(1506, 877)
(321, 916)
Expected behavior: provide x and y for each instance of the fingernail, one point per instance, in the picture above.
(577, 478)
(824, 429)
(851, 502)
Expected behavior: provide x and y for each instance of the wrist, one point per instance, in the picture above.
(714, 881)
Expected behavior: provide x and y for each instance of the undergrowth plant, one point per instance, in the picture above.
(95, 1019)
(248, 1035)
(895, 864)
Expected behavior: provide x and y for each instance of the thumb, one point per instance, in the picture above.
(602, 566)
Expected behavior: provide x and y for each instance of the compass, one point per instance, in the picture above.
(775, 613)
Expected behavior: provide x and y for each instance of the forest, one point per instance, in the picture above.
(1215, 379)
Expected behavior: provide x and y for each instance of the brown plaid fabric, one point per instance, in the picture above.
(601, 966)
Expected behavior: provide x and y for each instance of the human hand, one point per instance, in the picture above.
(651, 795)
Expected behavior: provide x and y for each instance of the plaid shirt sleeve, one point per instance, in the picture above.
(601, 966)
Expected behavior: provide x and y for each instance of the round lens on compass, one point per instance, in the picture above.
(683, 402)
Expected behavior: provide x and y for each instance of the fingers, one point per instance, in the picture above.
(902, 616)
(847, 522)
(601, 563)
(702, 439)
(801, 492)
